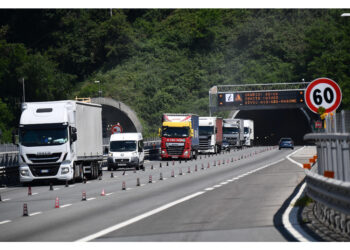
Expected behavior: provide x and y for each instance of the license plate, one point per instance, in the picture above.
(121, 164)
(44, 171)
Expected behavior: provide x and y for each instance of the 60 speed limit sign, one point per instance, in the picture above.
(323, 92)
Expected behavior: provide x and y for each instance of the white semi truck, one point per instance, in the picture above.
(233, 132)
(60, 140)
(248, 132)
(210, 134)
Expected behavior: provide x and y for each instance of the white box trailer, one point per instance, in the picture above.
(60, 140)
(248, 132)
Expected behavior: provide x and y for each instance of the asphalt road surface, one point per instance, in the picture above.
(227, 197)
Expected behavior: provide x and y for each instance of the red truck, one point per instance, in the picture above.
(179, 136)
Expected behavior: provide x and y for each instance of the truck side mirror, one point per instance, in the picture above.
(160, 132)
(73, 134)
(191, 132)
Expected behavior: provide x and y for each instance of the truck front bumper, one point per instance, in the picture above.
(123, 163)
(62, 171)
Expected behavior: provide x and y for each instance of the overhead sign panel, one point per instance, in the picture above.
(278, 97)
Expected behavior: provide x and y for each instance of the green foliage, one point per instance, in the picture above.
(165, 60)
(6, 118)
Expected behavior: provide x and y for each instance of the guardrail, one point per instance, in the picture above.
(328, 181)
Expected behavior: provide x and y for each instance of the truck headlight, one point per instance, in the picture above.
(65, 170)
(186, 152)
(110, 154)
(163, 151)
(24, 172)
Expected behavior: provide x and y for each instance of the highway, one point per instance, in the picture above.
(226, 197)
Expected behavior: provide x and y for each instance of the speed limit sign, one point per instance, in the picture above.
(323, 92)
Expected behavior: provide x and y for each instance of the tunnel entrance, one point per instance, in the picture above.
(271, 125)
(114, 112)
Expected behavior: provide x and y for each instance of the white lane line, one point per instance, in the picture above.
(90, 199)
(223, 183)
(289, 218)
(35, 193)
(36, 213)
(295, 162)
(66, 205)
(4, 222)
(217, 186)
(6, 199)
(138, 218)
(109, 194)
(56, 189)
(209, 189)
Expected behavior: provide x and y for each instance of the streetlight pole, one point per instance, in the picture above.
(99, 88)
(24, 93)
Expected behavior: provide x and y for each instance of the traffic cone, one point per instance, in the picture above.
(138, 182)
(223, 162)
(189, 170)
(202, 166)
(232, 159)
(84, 179)
(180, 171)
(51, 187)
(172, 173)
(112, 175)
(160, 165)
(228, 161)
(123, 186)
(57, 203)
(208, 165)
(67, 183)
(173, 162)
(25, 209)
(152, 167)
(195, 168)
(167, 163)
(103, 192)
(100, 177)
(180, 161)
(29, 190)
(124, 172)
(83, 196)
(150, 179)
(161, 176)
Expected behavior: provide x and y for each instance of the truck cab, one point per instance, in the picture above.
(126, 150)
(233, 132)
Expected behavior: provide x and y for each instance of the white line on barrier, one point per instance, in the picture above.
(138, 218)
(4, 222)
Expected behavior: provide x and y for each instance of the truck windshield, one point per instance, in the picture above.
(122, 146)
(230, 130)
(32, 137)
(246, 130)
(180, 132)
(206, 130)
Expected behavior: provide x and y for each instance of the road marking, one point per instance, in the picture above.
(90, 199)
(109, 194)
(138, 218)
(35, 193)
(56, 189)
(6, 199)
(216, 186)
(209, 189)
(71, 186)
(4, 222)
(223, 183)
(36, 213)
(293, 226)
(66, 205)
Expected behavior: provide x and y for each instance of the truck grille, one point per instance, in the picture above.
(121, 160)
(44, 170)
(204, 143)
(175, 150)
(44, 158)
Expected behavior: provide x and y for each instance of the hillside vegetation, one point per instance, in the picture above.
(164, 60)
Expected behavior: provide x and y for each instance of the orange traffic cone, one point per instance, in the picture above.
(25, 209)
(103, 192)
(57, 203)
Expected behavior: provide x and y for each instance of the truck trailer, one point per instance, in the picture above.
(210, 134)
(60, 140)
(233, 132)
(248, 132)
(179, 136)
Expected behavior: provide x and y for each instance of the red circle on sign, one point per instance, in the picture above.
(313, 84)
(117, 129)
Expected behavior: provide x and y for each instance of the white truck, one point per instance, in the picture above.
(60, 140)
(210, 134)
(248, 132)
(126, 150)
(233, 132)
